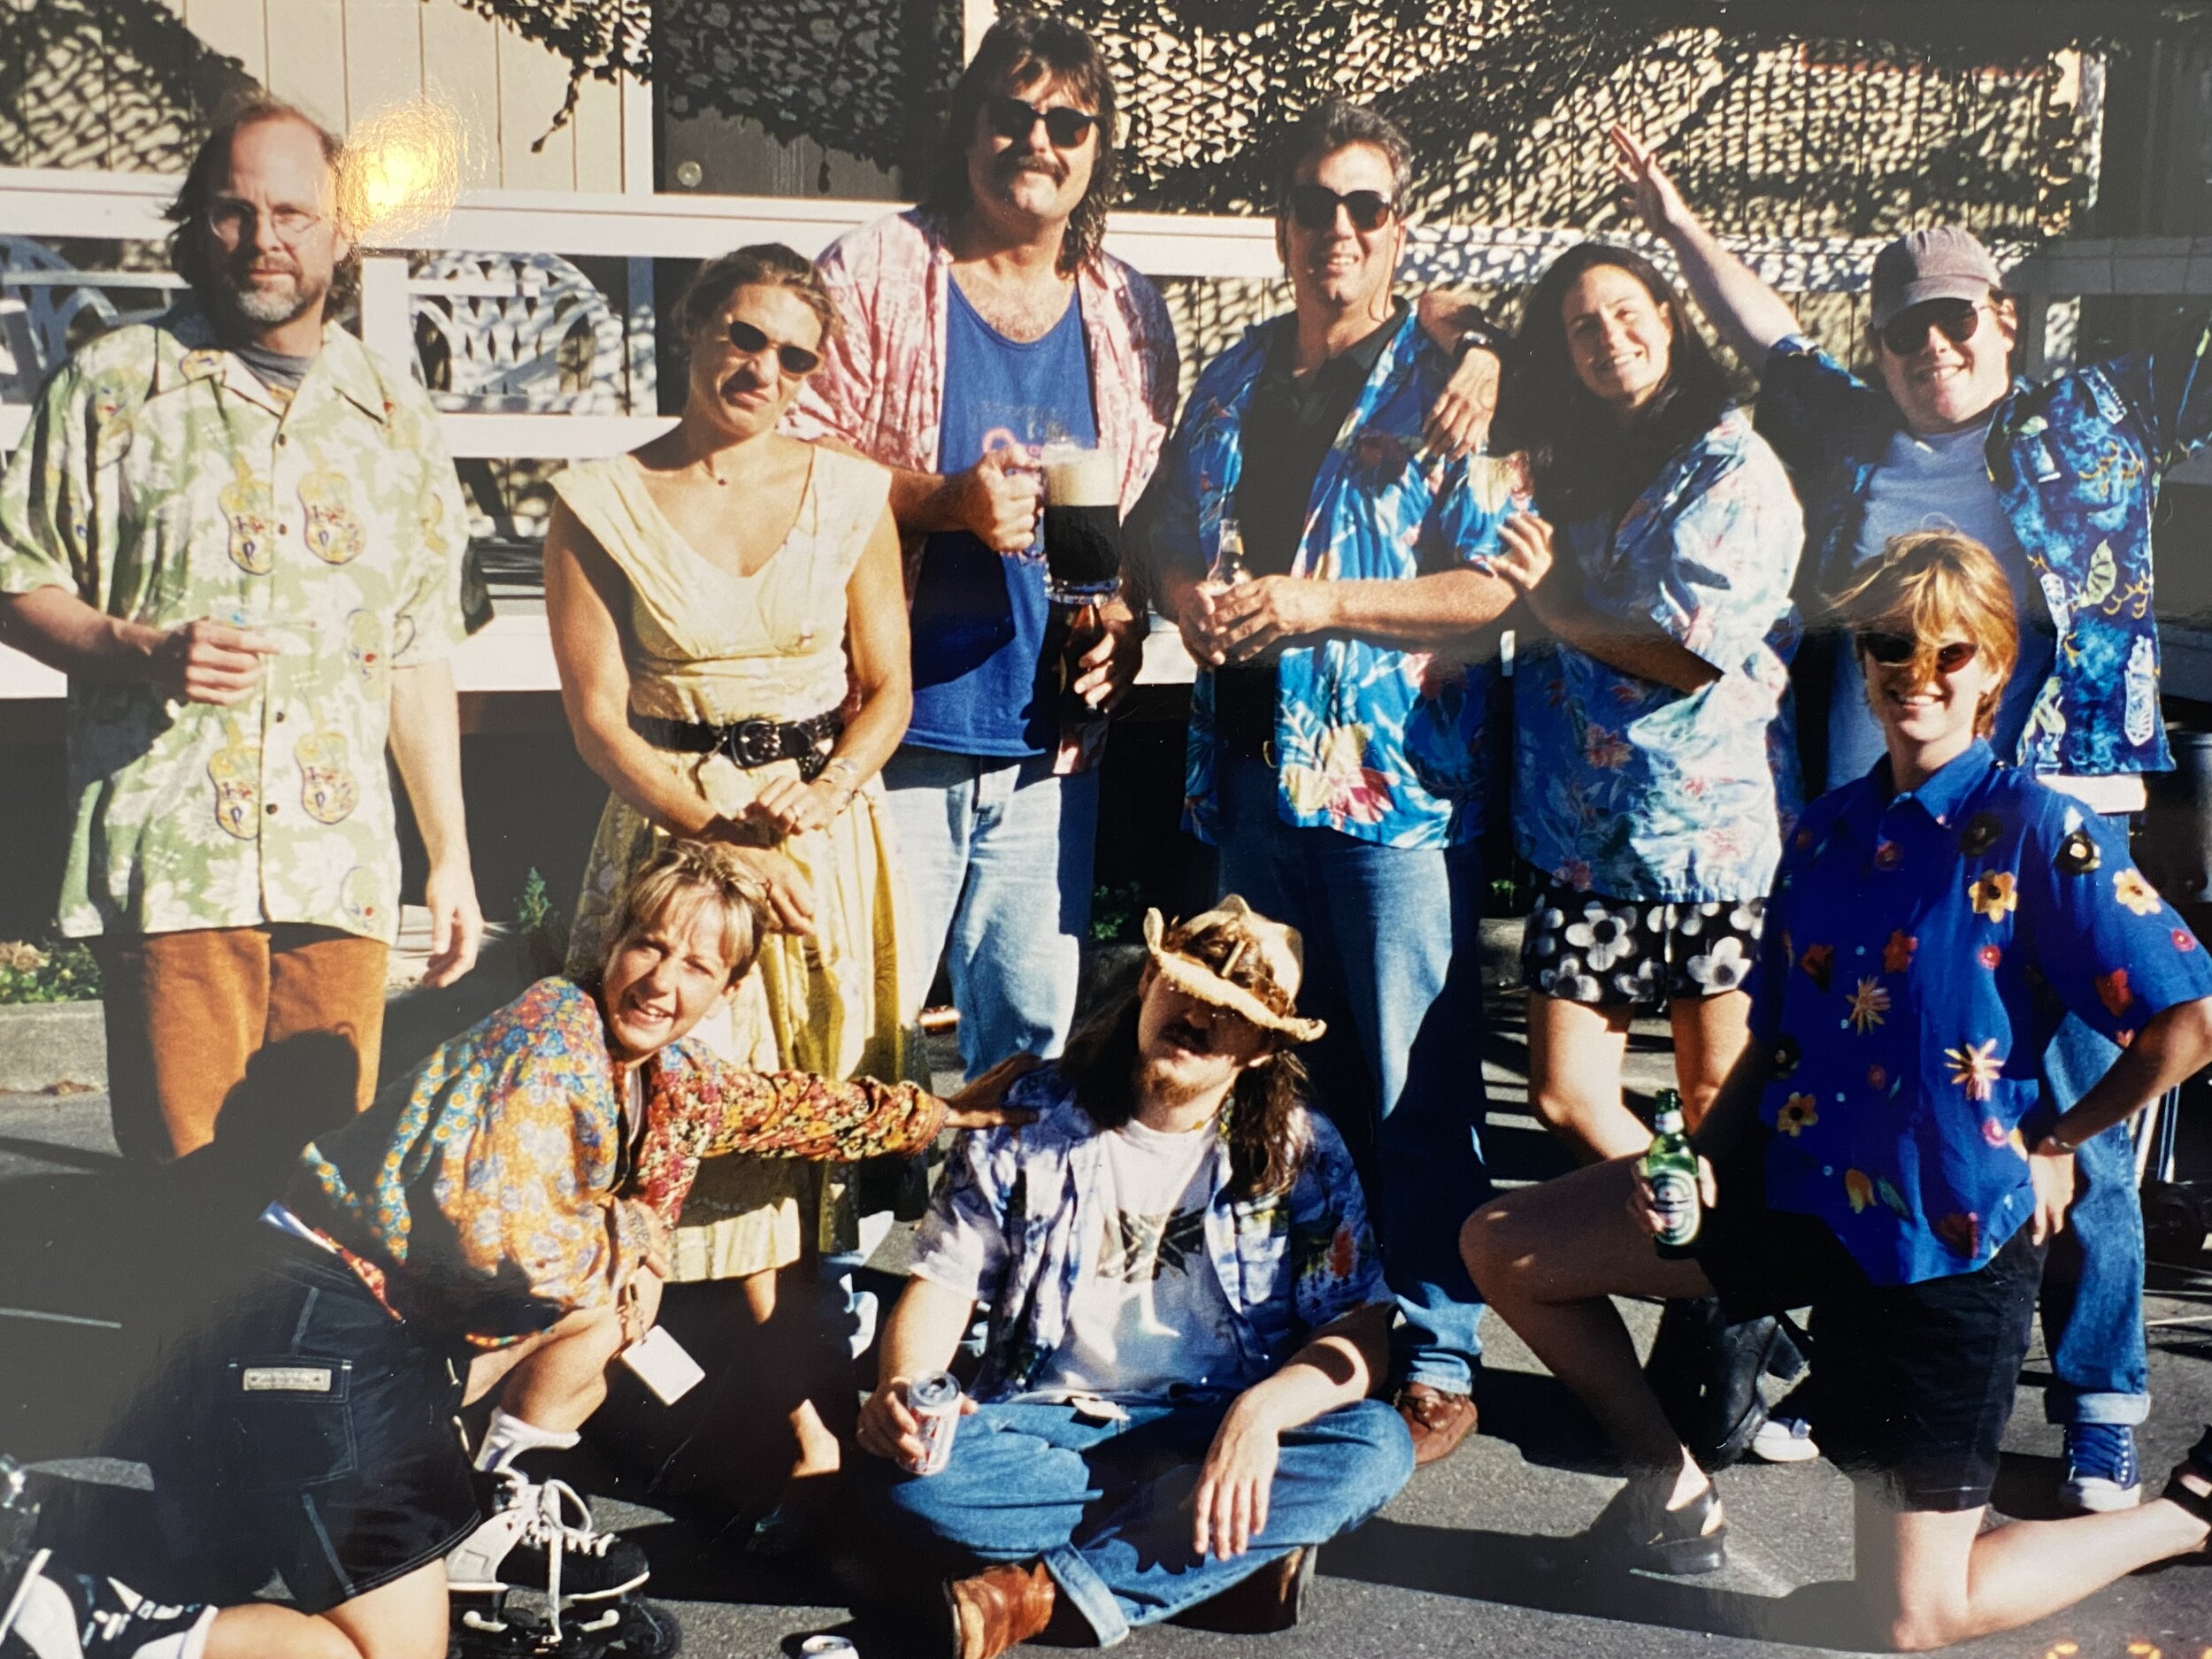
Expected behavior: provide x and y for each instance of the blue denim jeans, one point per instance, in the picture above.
(2093, 1280)
(996, 855)
(1394, 964)
(1104, 1504)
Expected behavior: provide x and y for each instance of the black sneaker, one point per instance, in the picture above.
(1635, 1531)
(53, 1613)
(540, 1537)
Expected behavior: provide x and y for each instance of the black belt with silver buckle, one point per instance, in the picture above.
(747, 742)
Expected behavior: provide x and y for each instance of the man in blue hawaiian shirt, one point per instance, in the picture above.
(1188, 1315)
(1336, 730)
(2059, 481)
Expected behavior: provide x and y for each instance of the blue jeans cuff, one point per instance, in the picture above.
(1449, 1373)
(1088, 1592)
(2061, 1405)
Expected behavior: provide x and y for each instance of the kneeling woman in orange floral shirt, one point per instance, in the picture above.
(498, 1218)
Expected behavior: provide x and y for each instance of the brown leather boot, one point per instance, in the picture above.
(1270, 1599)
(998, 1609)
(1438, 1421)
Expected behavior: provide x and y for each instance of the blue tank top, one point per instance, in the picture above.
(979, 617)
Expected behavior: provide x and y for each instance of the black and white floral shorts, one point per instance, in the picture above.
(1587, 948)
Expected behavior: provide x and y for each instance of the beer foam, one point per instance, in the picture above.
(1080, 478)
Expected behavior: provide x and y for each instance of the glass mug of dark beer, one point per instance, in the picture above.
(1082, 537)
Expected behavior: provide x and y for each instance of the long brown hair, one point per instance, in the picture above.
(1267, 1131)
(1019, 51)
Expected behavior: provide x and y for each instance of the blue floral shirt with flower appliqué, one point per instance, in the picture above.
(2077, 465)
(1921, 948)
(1635, 790)
(1007, 1226)
(1384, 745)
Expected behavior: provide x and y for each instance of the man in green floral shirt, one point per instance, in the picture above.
(237, 532)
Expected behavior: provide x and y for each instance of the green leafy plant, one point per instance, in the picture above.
(64, 972)
(1117, 913)
(541, 931)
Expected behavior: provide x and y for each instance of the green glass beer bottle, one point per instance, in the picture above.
(1670, 1167)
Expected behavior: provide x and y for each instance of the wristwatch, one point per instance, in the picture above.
(1481, 334)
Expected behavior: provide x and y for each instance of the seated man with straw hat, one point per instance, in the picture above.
(1188, 1316)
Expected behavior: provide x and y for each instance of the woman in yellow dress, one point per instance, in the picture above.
(729, 621)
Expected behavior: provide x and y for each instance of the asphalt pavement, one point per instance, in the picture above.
(1467, 1560)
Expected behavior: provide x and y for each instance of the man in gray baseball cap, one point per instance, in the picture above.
(2059, 481)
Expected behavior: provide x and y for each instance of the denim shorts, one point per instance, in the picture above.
(1912, 1385)
(313, 1436)
(1616, 953)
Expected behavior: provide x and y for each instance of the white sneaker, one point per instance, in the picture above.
(53, 1613)
(532, 1543)
(1784, 1440)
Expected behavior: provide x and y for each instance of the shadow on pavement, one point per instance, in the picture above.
(1543, 1574)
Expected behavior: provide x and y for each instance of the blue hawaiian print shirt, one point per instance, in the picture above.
(1007, 1226)
(1384, 745)
(2077, 465)
(1635, 790)
(1920, 949)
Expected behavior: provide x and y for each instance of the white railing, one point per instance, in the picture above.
(514, 655)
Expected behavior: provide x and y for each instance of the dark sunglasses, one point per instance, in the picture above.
(1012, 118)
(796, 361)
(1314, 206)
(1907, 332)
(1890, 650)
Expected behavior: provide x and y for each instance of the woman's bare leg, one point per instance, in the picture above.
(556, 1379)
(1710, 1034)
(1933, 1578)
(1548, 1258)
(1574, 1076)
(405, 1619)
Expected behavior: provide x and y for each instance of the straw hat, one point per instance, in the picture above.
(1252, 937)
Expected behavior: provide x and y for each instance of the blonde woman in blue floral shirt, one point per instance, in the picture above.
(1884, 1152)
(1652, 769)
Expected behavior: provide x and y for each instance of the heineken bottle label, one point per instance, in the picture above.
(1674, 1196)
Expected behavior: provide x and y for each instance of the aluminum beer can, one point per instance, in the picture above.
(829, 1644)
(934, 1400)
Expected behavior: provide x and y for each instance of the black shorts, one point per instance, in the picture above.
(312, 1435)
(1607, 952)
(1912, 1385)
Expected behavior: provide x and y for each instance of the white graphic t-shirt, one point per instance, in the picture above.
(1149, 1315)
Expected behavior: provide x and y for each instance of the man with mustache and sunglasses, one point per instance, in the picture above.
(1336, 743)
(237, 532)
(2059, 481)
(980, 325)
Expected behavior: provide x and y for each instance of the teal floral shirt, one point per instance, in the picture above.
(1384, 745)
(2077, 465)
(1633, 789)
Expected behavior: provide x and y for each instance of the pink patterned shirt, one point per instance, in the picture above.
(881, 387)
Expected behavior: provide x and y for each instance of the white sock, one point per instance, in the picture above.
(507, 1437)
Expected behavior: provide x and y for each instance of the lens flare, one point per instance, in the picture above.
(401, 171)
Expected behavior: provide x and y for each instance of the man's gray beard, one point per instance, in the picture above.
(263, 308)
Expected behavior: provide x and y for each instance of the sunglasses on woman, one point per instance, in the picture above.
(1890, 650)
(1012, 118)
(1907, 332)
(796, 361)
(1314, 207)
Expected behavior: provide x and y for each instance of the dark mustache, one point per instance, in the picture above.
(1028, 161)
(1184, 1034)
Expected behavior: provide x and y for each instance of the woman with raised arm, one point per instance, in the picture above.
(1652, 767)
(730, 625)
(1883, 1153)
